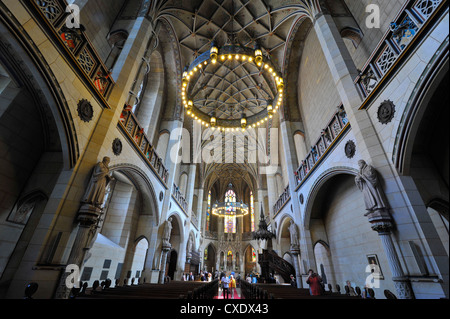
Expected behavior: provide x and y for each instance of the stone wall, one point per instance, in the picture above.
(371, 37)
(319, 98)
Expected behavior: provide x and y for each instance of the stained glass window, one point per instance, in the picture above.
(206, 253)
(253, 255)
(252, 212)
(230, 218)
(208, 212)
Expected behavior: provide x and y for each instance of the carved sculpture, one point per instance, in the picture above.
(189, 245)
(95, 194)
(294, 234)
(368, 183)
(167, 232)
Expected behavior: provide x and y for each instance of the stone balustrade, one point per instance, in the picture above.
(284, 198)
(129, 123)
(75, 45)
(329, 136)
(393, 47)
(179, 197)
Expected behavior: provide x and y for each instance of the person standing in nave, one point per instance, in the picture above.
(314, 282)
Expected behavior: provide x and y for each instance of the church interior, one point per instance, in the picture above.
(175, 144)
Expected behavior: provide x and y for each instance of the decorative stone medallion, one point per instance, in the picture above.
(386, 112)
(350, 149)
(302, 199)
(161, 196)
(117, 147)
(85, 111)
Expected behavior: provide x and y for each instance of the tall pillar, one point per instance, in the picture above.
(290, 155)
(295, 251)
(162, 267)
(87, 219)
(199, 208)
(151, 269)
(402, 285)
(190, 188)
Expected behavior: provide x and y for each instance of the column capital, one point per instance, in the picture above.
(88, 215)
(382, 227)
(295, 249)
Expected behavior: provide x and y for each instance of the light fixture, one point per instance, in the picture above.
(270, 108)
(237, 209)
(226, 55)
(258, 55)
(243, 121)
(214, 53)
(213, 121)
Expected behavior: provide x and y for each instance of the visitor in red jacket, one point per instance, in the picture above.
(314, 281)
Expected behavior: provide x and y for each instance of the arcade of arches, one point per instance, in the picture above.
(120, 139)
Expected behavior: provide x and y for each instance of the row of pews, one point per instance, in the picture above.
(172, 290)
(273, 291)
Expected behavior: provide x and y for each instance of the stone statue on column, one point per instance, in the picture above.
(294, 234)
(166, 246)
(87, 219)
(189, 249)
(368, 183)
(95, 193)
(167, 232)
(295, 251)
(381, 222)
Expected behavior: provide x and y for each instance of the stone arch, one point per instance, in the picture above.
(150, 97)
(294, 51)
(249, 266)
(172, 60)
(139, 252)
(417, 106)
(22, 58)
(335, 222)
(38, 140)
(320, 181)
(182, 184)
(284, 238)
(178, 237)
(144, 185)
(322, 255)
(212, 256)
(163, 144)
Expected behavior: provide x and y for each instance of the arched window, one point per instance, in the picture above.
(252, 211)
(208, 212)
(230, 219)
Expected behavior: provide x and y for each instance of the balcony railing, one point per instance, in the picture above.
(194, 220)
(74, 42)
(211, 235)
(409, 24)
(284, 198)
(129, 123)
(179, 197)
(330, 135)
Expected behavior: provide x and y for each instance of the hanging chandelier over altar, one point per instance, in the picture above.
(232, 87)
(230, 209)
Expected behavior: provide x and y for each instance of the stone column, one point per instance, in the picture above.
(165, 250)
(87, 219)
(383, 227)
(295, 251)
(199, 209)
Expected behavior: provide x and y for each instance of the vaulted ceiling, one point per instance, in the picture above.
(235, 88)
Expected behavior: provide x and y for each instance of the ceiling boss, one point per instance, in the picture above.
(232, 87)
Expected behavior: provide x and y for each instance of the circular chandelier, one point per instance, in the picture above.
(229, 209)
(243, 55)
